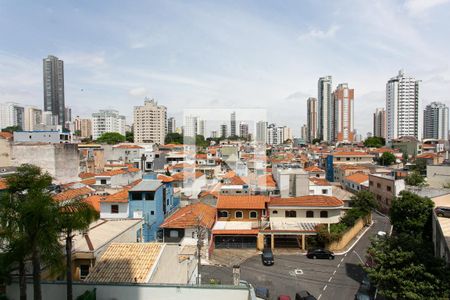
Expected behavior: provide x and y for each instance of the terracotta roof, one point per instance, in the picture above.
(314, 169)
(117, 172)
(351, 167)
(165, 178)
(229, 174)
(85, 175)
(236, 231)
(382, 150)
(241, 201)
(200, 156)
(358, 177)
(236, 180)
(188, 216)
(350, 153)
(6, 135)
(307, 201)
(90, 181)
(266, 180)
(3, 184)
(128, 146)
(122, 195)
(426, 155)
(94, 200)
(73, 194)
(186, 175)
(126, 263)
(319, 181)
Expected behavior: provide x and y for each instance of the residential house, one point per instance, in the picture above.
(356, 182)
(342, 171)
(385, 188)
(320, 186)
(315, 171)
(291, 179)
(118, 178)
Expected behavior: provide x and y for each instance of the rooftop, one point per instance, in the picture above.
(307, 201)
(241, 202)
(358, 177)
(147, 185)
(190, 216)
(73, 193)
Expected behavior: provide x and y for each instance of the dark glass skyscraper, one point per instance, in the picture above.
(54, 87)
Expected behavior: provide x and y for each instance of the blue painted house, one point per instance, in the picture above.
(151, 200)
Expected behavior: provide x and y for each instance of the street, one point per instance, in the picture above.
(325, 279)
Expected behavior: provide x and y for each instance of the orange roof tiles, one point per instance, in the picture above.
(85, 175)
(320, 181)
(426, 155)
(350, 153)
(307, 201)
(200, 156)
(314, 169)
(6, 135)
(266, 180)
(73, 194)
(190, 216)
(128, 146)
(117, 172)
(94, 200)
(89, 181)
(186, 175)
(229, 174)
(358, 177)
(382, 150)
(122, 195)
(165, 178)
(241, 202)
(236, 180)
(3, 184)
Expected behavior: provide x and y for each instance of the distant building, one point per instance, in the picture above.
(223, 131)
(86, 128)
(312, 119)
(190, 126)
(379, 123)
(150, 122)
(402, 107)
(200, 127)
(291, 179)
(385, 188)
(54, 88)
(272, 135)
(233, 124)
(304, 132)
(261, 132)
(107, 121)
(54, 137)
(325, 109)
(12, 114)
(243, 130)
(343, 98)
(435, 121)
(214, 134)
(32, 117)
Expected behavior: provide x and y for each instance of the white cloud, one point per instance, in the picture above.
(138, 92)
(84, 59)
(315, 33)
(417, 7)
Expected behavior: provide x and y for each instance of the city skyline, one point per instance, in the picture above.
(169, 64)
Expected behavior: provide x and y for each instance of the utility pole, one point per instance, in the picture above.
(200, 237)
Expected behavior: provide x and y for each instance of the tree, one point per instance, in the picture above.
(129, 136)
(200, 141)
(415, 179)
(75, 215)
(420, 166)
(77, 132)
(11, 129)
(386, 159)
(364, 201)
(173, 138)
(374, 141)
(111, 138)
(32, 215)
(315, 141)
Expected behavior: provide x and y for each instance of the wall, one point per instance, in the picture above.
(5, 153)
(245, 215)
(347, 237)
(57, 290)
(333, 215)
(125, 179)
(105, 211)
(437, 176)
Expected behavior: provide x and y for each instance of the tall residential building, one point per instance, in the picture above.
(49, 119)
(402, 107)
(233, 124)
(171, 125)
(190, 126)
(54, 87)
(284, 133)
(272, 135)
(150, 122)
(343, 98)
(107, 121)
(304, 132)
(435, 121)
(214, 134)
(379, 123)
(86, 128)
(201, 127)
(312, 119)
(223, 131)
(243, 130)
(32, 117)
(261, 132)
(12, 114)
(325, 109)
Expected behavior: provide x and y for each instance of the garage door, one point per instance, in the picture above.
(234, 242)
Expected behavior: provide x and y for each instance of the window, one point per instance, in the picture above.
(152, 212)
(114, 209)
(136, 195)
(253, 214)
(223, 214)
(102, 181)
(378, 185)
(275, 212)
(150, 196)
(338, 158)
(238, 214)
(324, 191)
(310, 214)
(317, 175)
(84, 271)
(388, 188)
(173, 233)
(323, 214)
(347, 159)
(290, 214)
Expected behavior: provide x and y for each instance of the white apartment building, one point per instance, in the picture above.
(107, 121)
(11, 114)
(402, 107)
(272, 135)
(261, 132)
(190, 126)
(325, 109)
(435, 121)
(32, 117)
(150, 122)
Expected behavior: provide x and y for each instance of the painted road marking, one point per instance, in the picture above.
(339, 265)
(329, 280)
(318, 298)
(325, 287)
(298, 272)
(334, 272)
(342, 259)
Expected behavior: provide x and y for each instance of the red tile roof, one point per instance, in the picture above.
(200, 156)
(190, 216)
(117, 172)
(358, 177)
(94, 200)
(314, 169)
(6, 135)
(122, 195)
(3, 184)
(186, 175)
(307, 201)
(236, 180)
(426, 155)
(73, 194)
(266, 180)
(85, 175)
(319, 181)
(241, 202)
(350, 153)
(165, 178)
(90, 181)
(128, 146)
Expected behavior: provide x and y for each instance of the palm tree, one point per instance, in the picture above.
(75, 215)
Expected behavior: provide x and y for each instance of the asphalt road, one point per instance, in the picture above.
(325, 279)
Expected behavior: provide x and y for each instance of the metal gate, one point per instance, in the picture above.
(234, 242)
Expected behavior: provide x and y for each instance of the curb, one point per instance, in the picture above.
(357, 240)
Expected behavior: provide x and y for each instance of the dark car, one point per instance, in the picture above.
(442, 211)
(304, 295)
(267, 257)
(262, 292)
(366, 289)
(320, 253)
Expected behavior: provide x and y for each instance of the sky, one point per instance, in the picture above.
(224, 54)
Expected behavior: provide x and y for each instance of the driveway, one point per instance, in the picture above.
(325, 279)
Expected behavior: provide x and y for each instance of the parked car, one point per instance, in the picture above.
(284, 297)
(304, 295)
(442, 211)
(262, 293)
(320, 253)
(267, 257)
(366, 289)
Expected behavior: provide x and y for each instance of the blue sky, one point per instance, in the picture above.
(233, 54)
